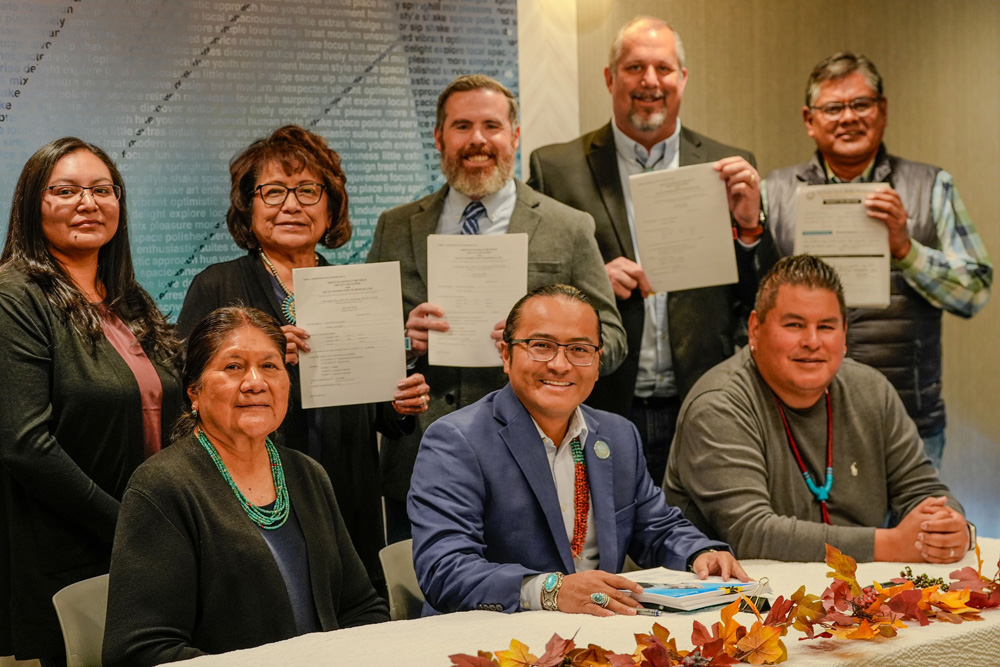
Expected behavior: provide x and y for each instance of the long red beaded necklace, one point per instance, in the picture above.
(581, 498)
(821, 493)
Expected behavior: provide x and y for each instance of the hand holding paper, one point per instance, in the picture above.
(625, 276)
(475, 280)
(885, 205)
(833, 223)
(412, 395)
(351, 314)
(425, 317)
(295, 340)
(742, 190)
(682, 228)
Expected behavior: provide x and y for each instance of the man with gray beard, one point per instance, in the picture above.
(672, 338)
(477, 135)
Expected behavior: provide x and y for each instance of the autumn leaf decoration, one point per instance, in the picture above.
(845, 610)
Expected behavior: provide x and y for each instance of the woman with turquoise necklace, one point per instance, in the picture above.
(226, 541)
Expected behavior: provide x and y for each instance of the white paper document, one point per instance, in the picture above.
(682, 228)
(476, 279)
(832, 223)
(354, 316)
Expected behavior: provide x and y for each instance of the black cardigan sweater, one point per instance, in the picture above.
(191, 573)
(349, 447)
(70, 436)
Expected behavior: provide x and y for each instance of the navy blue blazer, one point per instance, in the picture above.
(485, 513)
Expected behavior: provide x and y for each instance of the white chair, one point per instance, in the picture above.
(81, 608)
(405, 597)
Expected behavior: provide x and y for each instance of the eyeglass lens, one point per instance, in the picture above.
(860, 106)
(306, 193)
(67, 191)
(576, 354)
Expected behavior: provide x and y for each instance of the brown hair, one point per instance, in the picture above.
(464, 84)
(295, 149)
(805, 270)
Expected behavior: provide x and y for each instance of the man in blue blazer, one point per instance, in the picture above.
(528, 500)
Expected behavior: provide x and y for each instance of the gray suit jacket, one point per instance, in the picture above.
(704, 324)
(561, 249)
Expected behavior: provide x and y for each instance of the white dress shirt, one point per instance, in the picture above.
(564, 476)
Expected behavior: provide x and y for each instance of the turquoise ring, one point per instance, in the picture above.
(600, 599)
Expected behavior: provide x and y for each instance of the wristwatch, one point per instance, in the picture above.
(550, 591)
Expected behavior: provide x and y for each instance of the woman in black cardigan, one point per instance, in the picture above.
(88, 389)
(288, 196)
(226, 541)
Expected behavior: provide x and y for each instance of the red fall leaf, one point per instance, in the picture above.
(555, 651)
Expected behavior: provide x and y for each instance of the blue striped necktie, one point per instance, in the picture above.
(470, 217)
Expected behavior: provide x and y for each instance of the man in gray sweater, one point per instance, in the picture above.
(788, 446)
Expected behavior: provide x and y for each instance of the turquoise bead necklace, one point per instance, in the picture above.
(821, 493)
(266, 519)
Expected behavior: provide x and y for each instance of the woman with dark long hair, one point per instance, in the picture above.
(89, 384)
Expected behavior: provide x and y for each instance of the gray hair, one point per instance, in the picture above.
(616, 45)
(838, 66)
(207, 338)
(802, 270)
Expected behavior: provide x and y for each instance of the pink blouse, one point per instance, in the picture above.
(150, 388)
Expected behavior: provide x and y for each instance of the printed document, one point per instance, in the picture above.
(475, 279)
(682, 228)
(354, 316)
(832, 223)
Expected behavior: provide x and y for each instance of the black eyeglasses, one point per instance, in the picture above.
(542, 349)
(96, 191)
(862, 106)
(275, 194)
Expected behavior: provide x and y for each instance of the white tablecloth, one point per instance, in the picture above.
(429, 641)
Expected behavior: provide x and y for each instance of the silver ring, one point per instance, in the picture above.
(600, 599)
(952, 554)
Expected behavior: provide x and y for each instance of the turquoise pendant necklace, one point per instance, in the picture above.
(266, 519)
(288, 305)
(821, 493)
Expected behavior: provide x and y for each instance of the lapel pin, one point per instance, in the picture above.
(601, 449)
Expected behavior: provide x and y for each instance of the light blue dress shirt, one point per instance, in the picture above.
(656, 372)
(499, 208)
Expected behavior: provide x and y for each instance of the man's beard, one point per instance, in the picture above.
(478, 182)
(653, 121)
(650, 123)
